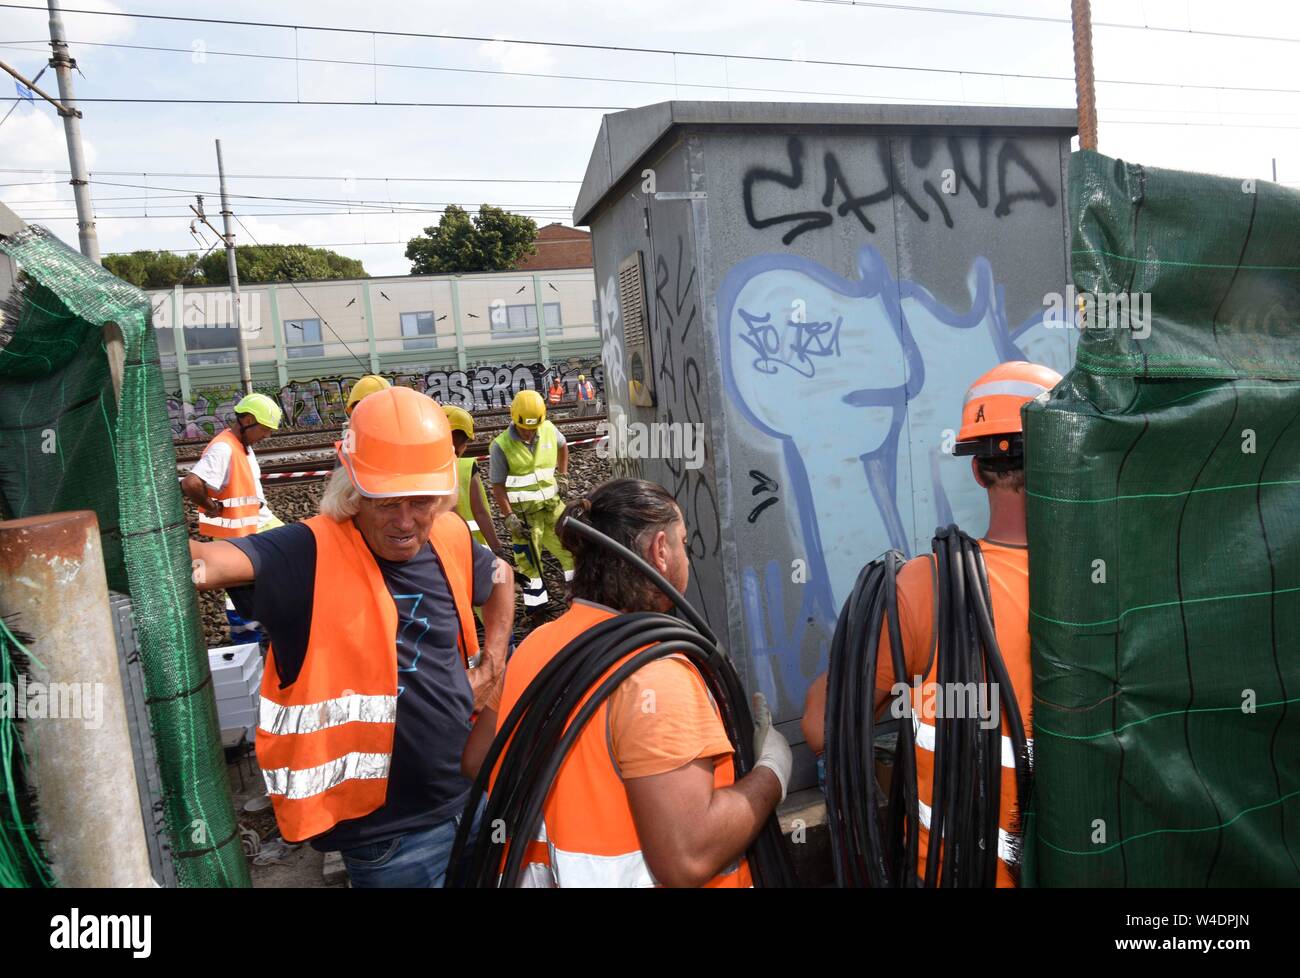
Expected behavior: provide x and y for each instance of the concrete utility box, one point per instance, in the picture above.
(816, 285)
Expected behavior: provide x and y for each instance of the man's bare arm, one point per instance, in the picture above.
(479, 742)
(194, 489)
(498, 623)
(689, 830)
(219, 564)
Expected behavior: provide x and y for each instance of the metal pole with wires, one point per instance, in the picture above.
(245, 373)
(63, 65)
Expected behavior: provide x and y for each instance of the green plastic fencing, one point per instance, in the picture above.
(1163, 478)
(66, 444)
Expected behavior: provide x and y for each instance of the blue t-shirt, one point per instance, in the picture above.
(434, 699)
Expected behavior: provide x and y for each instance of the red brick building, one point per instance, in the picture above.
(559, 247)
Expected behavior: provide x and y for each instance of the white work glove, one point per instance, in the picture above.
(772, 750)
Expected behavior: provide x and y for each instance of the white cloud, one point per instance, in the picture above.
(33, 139)
(35, 24)
(516, 57)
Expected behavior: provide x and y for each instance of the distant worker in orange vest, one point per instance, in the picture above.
(556, 394)
(586, 395)
(374, 669)
(992, 433)
(647, 797)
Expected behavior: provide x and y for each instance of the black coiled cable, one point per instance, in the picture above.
(537, 735)
(880, 850)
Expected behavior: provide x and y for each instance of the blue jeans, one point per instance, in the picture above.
(416, 859)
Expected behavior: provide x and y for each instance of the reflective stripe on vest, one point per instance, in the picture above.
(925, 742)
(325, 742)
(240, 502)
(309, 717)
(1006, 850)
(925, 734)
(222, 522)
(592, 838)
(582, 869)
(297, 785)
(531, 478)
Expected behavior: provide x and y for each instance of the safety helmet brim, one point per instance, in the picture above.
(374, 483)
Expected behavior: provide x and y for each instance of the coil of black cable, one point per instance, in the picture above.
(876, 848)
(537, 735)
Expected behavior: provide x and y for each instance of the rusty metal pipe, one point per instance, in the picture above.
(73, 714)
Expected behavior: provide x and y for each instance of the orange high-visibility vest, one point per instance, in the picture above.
(240, 502)
(588, 837)
(1008, 571)
(556, 393)
(325, 742)
(586, 392)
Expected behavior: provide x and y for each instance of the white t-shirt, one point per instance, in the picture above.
(214, 469)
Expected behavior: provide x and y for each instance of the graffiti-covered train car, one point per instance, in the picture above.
(808, 289)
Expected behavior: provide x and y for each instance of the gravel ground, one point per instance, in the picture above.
(294, 502)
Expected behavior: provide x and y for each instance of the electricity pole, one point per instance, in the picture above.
(63, 65)
(245, 374)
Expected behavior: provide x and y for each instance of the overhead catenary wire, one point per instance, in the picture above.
(1001, 15)
(619, 48)
(302, 295)
(277, 214)
(729, 86)
(339, 177)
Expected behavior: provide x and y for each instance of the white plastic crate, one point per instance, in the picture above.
(236, 679)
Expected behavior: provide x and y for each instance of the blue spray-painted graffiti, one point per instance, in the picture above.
(862, 382)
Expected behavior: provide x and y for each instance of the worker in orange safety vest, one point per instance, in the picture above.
(992, 433)
(556, 392)
(647, 797)
(374, 669)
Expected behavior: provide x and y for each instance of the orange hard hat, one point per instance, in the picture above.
(399, 444)
(993, 403)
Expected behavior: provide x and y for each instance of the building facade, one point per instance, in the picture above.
(414, 326)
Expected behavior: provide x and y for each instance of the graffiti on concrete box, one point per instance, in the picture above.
(859, 380)
(1012, 180)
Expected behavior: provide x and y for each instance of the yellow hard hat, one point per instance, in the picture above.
(459, 419)
(582, 376)
(366, 385)
(528, 410)
(261, 407)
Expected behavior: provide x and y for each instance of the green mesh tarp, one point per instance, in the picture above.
(1163, 480)
(64, 445)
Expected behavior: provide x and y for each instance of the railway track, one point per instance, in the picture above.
(310, 470)
(190, 451)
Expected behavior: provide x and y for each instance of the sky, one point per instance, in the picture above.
(382, 173)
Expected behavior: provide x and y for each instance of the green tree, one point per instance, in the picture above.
(152, 269)
(493, 240)
(280, 263)
(256, 263)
